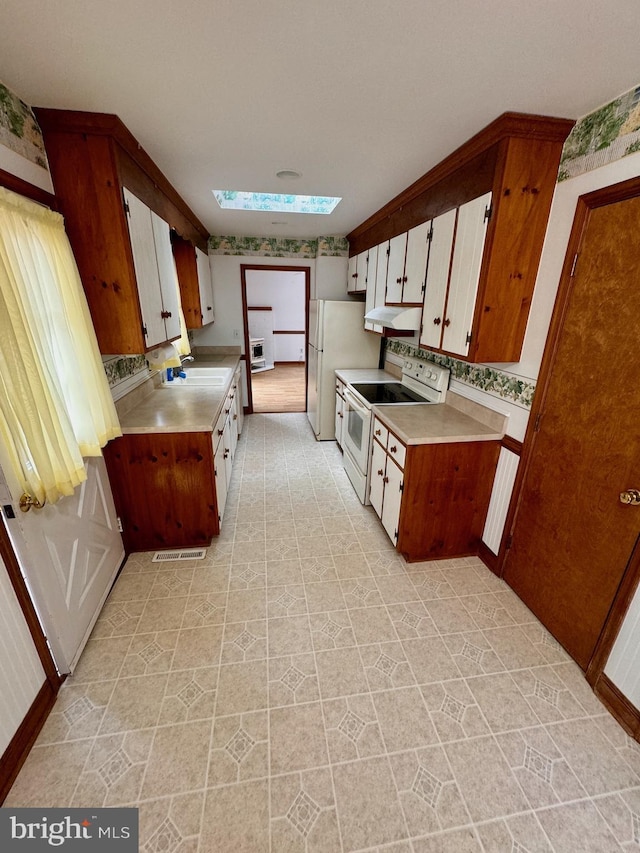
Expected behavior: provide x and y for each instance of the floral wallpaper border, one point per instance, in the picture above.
(121, 367)
(607, 134)
(279, 247)
(19, 130)
(503, 385)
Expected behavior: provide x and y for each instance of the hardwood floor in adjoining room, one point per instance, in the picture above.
(279, 390)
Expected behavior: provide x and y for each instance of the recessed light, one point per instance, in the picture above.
(288, 174)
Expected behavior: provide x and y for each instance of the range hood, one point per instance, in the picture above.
(395, 317)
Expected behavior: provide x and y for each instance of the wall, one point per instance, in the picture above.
(21, 144)
(226, 254)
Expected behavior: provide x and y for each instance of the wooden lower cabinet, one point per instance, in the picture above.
(433, 498)
(164, 490)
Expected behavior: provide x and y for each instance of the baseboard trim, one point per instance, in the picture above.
(16, 753)
(617, 703)
(488, 557)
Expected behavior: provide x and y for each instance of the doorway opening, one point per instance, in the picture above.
(275, 307)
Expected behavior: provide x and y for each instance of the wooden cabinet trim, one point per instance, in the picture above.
(109, 125)
(471, 166)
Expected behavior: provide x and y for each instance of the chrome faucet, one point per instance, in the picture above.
(185, 358)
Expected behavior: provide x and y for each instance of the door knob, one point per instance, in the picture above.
(28, 501)
(631, 497)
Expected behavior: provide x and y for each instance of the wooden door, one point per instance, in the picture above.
(572, 537)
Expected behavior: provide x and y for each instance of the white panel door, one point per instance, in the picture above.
(146, 266)
(415, 267)
(205, 286)
(437, 278)
(471, 230)
(390, 518)
(352, 277)
(71, 552)
(378, 464)
(167, 275)
(370, 299)
(395, 268)
(220, 471)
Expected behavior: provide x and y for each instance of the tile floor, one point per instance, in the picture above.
(303, 689)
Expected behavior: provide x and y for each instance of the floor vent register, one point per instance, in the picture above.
(176, 556)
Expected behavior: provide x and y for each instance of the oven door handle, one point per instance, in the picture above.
(355, 404)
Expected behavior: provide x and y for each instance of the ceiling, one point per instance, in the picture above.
(360, 96)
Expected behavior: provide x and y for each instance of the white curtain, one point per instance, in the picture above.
(55, 403)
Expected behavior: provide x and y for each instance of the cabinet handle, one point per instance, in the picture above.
(437, 321)
(393, 449)
(380, 472)
(235, 417)
(404, 279)
(385, 479)
(447, 322)
(340, 415)
(225, 454)
(226, 411)
(399, 280)
(165, 314)
(378, 432)
(209, 308)
(220, 432)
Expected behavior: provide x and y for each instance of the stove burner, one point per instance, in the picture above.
(378, 393)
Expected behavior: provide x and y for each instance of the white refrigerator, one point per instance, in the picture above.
(337, 340)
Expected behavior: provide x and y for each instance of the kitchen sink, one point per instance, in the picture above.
(197, 376)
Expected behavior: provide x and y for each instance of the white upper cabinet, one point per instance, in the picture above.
(415, 267)
(437, 278)
(395, 268)
(375, 285)
(357, 273)
(155, 272)
(205, 286)
(468, 249)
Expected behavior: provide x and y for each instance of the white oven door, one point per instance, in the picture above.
(357, 428)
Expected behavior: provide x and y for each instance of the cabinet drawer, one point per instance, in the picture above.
(380, 432)
(396, 450)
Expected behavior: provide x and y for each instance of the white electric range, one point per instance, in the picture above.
(422, 382)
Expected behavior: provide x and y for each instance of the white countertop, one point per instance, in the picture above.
(182, 409)
(458, 419)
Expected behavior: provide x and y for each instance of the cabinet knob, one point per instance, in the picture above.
(437, 321)
(393, 449)
(165, 314)
(225, 454)
(209, 308)
(399, 280)
(380, 472)
(385, 479)
(404, 279)
(220, 432)
(235, 417)
(340, 415)
(447, 322)
(378, 432)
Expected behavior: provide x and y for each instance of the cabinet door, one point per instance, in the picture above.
(392, 498)
(395, 268)
(381, 274)
(370, 301)
(220, 477)
(415, 267)
(471, 230)
(352, 274)
(227, 455)
(205, 286)
(378, 465)
(339, 418)
(167, 276)
(239, 401)
(438, 266)
(146, 266)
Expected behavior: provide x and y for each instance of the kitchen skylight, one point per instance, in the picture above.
(275, 202)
